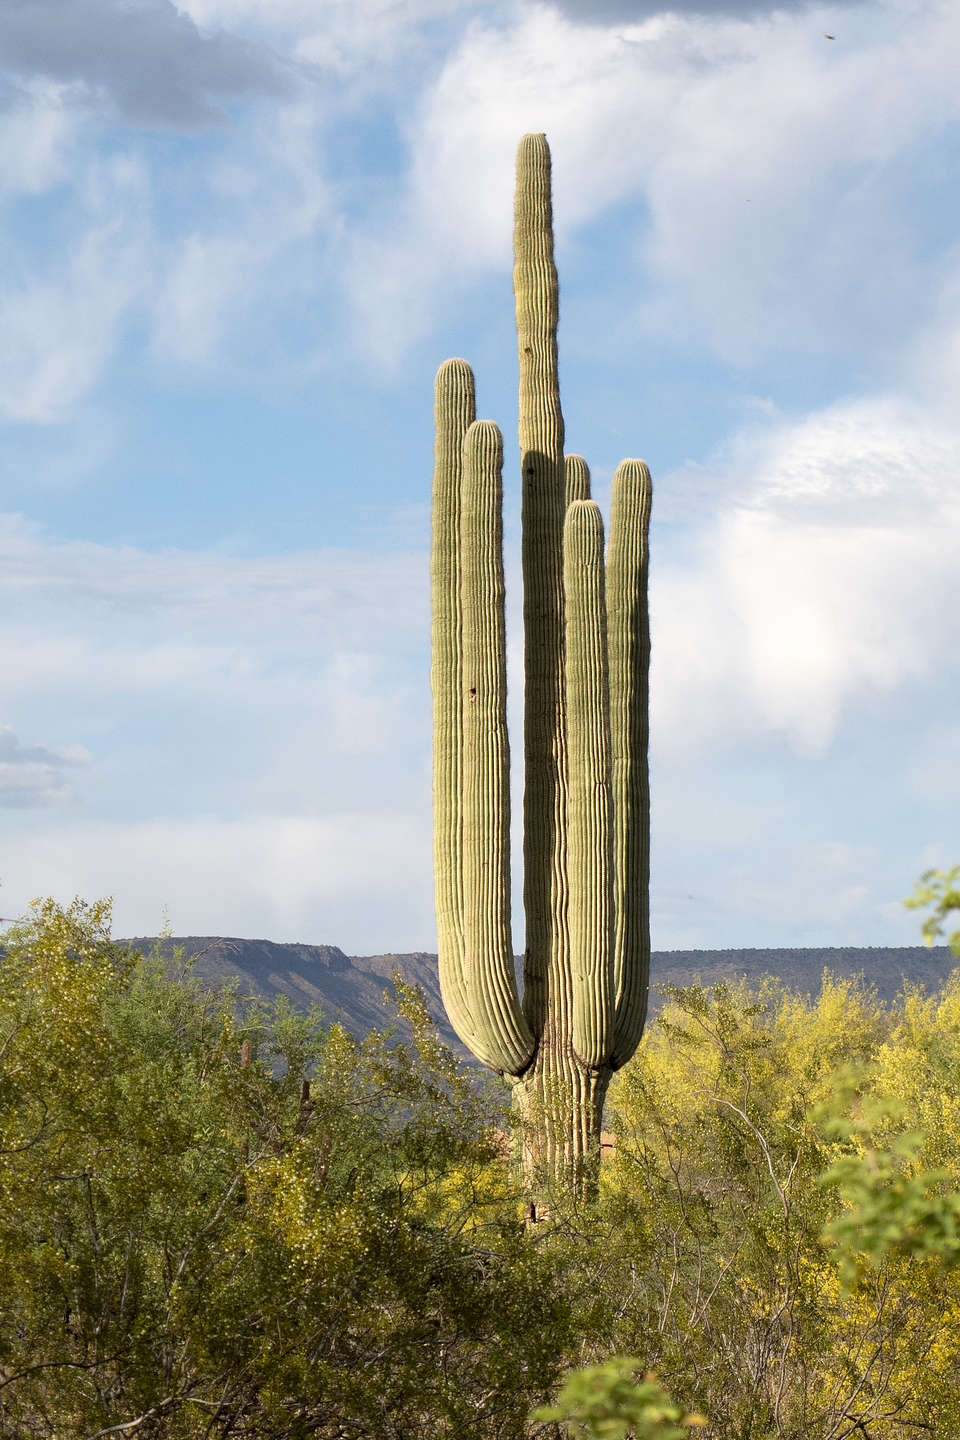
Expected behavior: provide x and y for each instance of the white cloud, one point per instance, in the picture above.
(931, 360)
(360, 878)
(270, 701)
(760, 162)
(221, 282)
(768, 851)
(138, 621)
(827, 582)
(239, 686)
(242, 239)
(606, 12)
(933, 770)
(37, 135)
(33, 775)
(371, 45)
(41, 460)
(260, 710)
(149, 58)
(815, 893)
(762, 159)
(259, 249)
(60, 323)
(371, 42)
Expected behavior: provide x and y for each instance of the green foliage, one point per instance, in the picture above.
(775, 1234)
(941, 889)
(611, 1402)
(222, 1217)
(892, 1206)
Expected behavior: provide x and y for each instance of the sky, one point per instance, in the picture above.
(237, 237)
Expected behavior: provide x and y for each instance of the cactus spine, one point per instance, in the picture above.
(586, 796)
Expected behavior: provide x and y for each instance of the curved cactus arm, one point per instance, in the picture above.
(628, 628)
(576, 473)
(543, 507)
(495, 1009)
(589, 831)
(454, 412)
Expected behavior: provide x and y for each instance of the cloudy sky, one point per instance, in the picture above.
(238, 237)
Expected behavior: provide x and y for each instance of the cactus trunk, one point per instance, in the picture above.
(558, 1109)
(586, 793)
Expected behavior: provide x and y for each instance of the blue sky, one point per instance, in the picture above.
(238, 237)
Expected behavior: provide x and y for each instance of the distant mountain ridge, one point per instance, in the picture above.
(350, 988)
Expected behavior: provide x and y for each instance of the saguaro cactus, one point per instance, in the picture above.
(586, 797)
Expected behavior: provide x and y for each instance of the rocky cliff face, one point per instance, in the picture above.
(350, 989)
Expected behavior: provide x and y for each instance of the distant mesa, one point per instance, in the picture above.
(349, 988)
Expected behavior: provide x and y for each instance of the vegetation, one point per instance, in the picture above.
(586, 795)
(614, 1402)
(222, 1218)
(940, 890)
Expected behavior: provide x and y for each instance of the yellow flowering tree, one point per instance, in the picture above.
(732, 1249)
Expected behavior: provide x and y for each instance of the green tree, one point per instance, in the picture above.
(612, 1402)
(718, 1254)
(941, 890)
(222, 1217)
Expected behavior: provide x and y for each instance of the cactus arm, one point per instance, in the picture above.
(628, 628)
(536, 291)
(506, 1041)
(576, 473)
(454, 411)
(546, 979)
(589, 834)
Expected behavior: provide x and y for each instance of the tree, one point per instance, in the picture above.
(224, 1218)
(725, 1253)
(612, 1402)
(941, 889)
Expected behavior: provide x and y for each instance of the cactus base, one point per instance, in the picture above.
(558, 1109)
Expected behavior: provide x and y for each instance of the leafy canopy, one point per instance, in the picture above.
(224, 1217)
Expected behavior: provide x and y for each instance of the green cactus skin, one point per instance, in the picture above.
(576, 474)
(488, 957)
(586, 795)
(536, 292)
(628, 629)
(588, 831)
(454, 412)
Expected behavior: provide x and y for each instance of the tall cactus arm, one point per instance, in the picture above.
(507, 1044)
(628, 625)
(589, 837)
(454, 412)
(543, 508)
(576, 480)
(536, 292)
